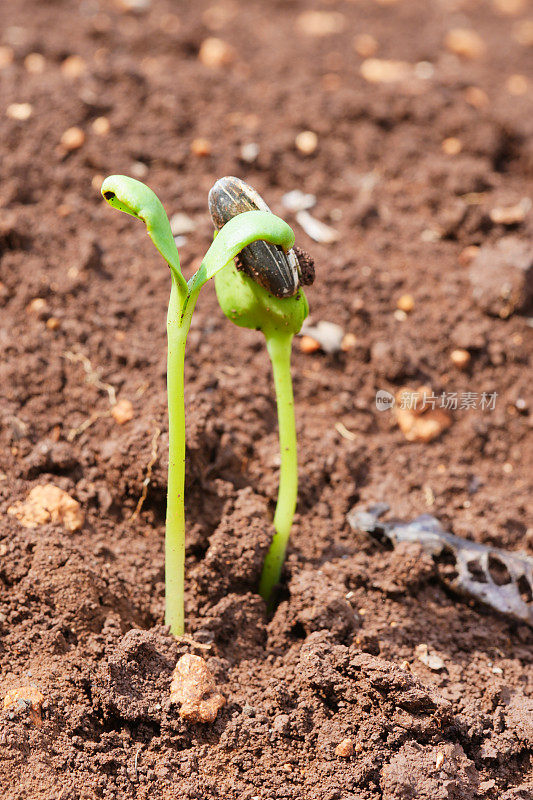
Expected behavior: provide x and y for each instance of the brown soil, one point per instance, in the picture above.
(81, 612)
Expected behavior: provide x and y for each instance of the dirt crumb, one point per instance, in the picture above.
(193, 686)
(46, 504)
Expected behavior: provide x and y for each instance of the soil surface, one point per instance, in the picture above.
(410, 173)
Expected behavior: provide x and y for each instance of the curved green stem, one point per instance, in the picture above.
(279, 347)
(178, 326)
(134, 198)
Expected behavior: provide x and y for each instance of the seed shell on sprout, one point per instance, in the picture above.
(267, 264)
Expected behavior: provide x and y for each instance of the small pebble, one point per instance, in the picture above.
(378, 70)
(306, 142)
(281, 723)
(48, 503)
(134, 6)
(181, 224)
(6, 56)
(517, 85)
(406, 303)
(424, 70)
(365, 45)
(510, 7)
(34, 63)
(53, 324)
(201, 148)
(101, 126)
(193, 687)
(139, 170)
(30, 697)
(309, 345)
(419, 423)
(249, 152)
(510, 215)
(467, 255)
(328, 335)
(297, 200)
(476, 97)
(19, 111)
(439, 760)
(122, 412)
(465, 42)
(400, 315)
(72, 139)
(431, 660)
(331, 82)
(460, 358)
(349, 342)
(507, 468)
(523, 32)
(37, 306)
(452, 146)
(215, 53)
(320, 23)
(73, 67)
(344, 749)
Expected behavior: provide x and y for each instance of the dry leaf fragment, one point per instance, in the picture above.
(194, 687)
(28, 696)
(46, 504)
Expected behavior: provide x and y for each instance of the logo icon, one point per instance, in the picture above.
(384, 400)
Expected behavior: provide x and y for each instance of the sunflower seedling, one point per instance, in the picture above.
(134, 198)
(260, 289)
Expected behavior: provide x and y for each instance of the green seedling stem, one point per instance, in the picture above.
(134, 198)
(279, 349)
(249, 305)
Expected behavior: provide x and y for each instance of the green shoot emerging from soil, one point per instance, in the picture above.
(251, 305)
(248, 305)
(133, 197)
